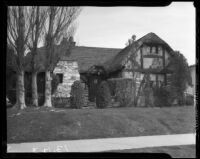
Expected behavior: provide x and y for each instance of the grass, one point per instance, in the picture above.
(188, 151)
(45, 124)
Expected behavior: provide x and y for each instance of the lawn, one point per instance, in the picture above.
(188, 151)
(45, 124)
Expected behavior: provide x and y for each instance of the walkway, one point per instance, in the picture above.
(106, 144)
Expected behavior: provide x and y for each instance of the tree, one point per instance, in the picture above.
(59, 27)
(18, 29)
(9, 68)
(37, 25)
(181, 76)
(140, 85)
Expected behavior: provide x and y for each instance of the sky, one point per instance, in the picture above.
(111, 27)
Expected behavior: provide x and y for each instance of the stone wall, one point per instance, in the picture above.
(69, 69)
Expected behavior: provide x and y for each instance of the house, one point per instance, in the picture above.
(149, 54)
(93, 64)
(73, 66)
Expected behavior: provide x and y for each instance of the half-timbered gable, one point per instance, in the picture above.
(149, 54)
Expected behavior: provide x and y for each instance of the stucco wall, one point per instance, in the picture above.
(167, 58)
(152, 62)
(191, 90)
(126, 74)
(69, 69)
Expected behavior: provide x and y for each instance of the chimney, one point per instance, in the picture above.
(72, 42)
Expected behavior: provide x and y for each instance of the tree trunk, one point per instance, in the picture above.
(47, 102)
(34, 89)
(16, 92)
(20, 91)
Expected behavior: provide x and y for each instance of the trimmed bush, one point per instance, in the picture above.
(11, 94)
(61, 102)
(103, 97)
(189, 100)
(162, 97)
(123, 90)
(77, 95)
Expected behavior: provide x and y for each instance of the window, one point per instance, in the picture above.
(160, 51)
(156, 49)
(153, 50)
(60, 77)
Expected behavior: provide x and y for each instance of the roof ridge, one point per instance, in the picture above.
(100, 47)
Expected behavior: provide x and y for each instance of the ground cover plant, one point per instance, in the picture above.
(48, 124)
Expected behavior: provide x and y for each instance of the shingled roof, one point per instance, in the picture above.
(117, 62)
(111, 59)
(85, 56)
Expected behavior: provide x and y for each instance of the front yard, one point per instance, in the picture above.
(45, 124)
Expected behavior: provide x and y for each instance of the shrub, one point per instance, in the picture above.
(103, 97)
(189, 100)
(123, 90)
(77, 95)
(149, 97)
(162, 96)
(11, 94)
(61, 102)
(180, 77)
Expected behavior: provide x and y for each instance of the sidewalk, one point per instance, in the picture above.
(106, 144)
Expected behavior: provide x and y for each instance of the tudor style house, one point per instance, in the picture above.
(149, 54)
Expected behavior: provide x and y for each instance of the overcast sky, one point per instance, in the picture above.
(112, 26)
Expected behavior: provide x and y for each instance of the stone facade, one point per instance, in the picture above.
(70, 73)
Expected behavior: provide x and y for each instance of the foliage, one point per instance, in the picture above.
(162, 96)
(189, 100)
(59, 27)
(123, 90)
(18, 30)
(180, 77)
(77, 95)
(61, 102)
(145, 95)
(103, 96)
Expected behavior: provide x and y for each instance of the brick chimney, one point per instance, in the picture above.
(72, 42)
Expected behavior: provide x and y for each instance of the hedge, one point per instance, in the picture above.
(77, 95)
(162, 97)
(123, 90)
(103, 96)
